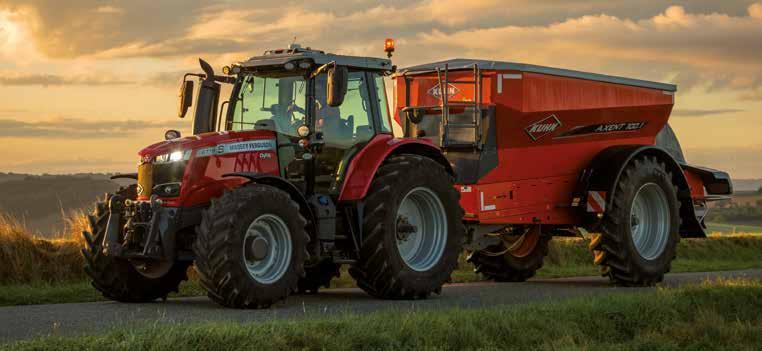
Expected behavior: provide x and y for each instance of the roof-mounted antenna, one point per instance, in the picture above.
(293, 46)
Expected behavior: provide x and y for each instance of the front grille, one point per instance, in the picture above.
(171, 172)
(145, 179)
(151, 175)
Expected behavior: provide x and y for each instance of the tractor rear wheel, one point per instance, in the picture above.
(516, 259)
(319, 275)
(251, 247)
(119, 279)
(412, 230)
(640, 231)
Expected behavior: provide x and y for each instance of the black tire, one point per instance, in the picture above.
(319, 275)
(614, 248)
(508, 267)
(381, 270)
(220, 260)
(118, 279)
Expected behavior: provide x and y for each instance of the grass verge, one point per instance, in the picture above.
(729, 228)
(37, 271)
(567, 258)
(723, 314)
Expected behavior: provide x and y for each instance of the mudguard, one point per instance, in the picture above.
(282, 184)
(716, 182)
(606, 168)
(365, 163)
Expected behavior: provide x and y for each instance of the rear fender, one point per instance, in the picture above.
(607, 167)
(717, 183)
(364, 165)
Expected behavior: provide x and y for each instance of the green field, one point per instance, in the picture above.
(718, 315)
(726, 228)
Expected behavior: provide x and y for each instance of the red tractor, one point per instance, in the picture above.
(302, 174)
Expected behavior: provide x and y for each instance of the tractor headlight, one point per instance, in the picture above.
(174, 156)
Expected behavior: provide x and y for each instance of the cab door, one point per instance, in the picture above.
(345, 129)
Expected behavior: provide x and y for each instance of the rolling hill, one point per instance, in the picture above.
(40, 201)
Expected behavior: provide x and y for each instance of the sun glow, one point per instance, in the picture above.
(8, 30)
(9, 34)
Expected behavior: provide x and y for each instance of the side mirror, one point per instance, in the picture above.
(414, 114)
(186, 98)
(338, 78)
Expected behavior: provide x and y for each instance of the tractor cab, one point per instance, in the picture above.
(322, 107)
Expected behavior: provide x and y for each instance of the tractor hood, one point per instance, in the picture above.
(204, 141)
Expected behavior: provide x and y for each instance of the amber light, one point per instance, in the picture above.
(389, 46)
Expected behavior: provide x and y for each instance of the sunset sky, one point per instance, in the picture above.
(85, 84)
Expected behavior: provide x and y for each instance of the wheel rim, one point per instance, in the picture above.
(421, 229)
(267, 248)
(649, 221)
(524, 244)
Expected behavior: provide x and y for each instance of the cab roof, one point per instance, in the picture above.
(296, 53)
(460, 63)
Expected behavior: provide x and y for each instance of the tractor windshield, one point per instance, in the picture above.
(261, 98)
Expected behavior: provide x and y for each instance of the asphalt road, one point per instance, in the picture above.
(20, 322)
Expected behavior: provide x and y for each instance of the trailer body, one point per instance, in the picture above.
(540, 133)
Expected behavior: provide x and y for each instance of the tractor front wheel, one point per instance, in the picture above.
(251, 247)
(120, 279)
(412, 230)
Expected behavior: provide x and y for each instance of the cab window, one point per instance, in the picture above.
(383, 103)
(277, 99)
(348, 124)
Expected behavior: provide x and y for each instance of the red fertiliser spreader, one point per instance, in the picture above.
(539, 152)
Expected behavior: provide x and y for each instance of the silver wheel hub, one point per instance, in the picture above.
(267, 248)
(650, 221)
(421, 229)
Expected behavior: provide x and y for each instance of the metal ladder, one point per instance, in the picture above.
(476, 121)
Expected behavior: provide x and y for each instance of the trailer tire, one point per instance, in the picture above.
(639, 233)
(251, 247)
(118, 279)
(319, 275)
(512, 267)
(398, 259)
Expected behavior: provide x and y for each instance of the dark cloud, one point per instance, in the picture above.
(79, 27)
(83, 27)
(168, 79)
(703, 113)
(81, 128)
(59, 80)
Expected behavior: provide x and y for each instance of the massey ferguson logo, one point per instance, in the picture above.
(542, 128)
(436, 91)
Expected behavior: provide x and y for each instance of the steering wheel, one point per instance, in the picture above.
(290, 110)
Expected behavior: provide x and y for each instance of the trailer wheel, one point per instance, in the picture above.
(515, 260)
(639, 235)
(118, 279)
(251, 247)
(412, 230)
(319, 275)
